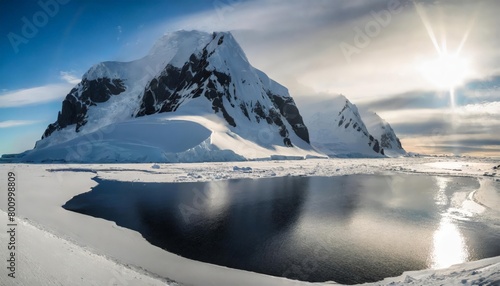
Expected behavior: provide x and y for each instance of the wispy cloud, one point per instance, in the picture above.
(470, 129)
(34, 95)
(14, 123)
(69, 77)
(478, 91)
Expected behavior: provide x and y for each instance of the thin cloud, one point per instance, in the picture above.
(35, 95)
(69, 77)
(429, 128)
(407, 100)
(486, 109)
(474, 93)
(464, 149)
(14, 123)
(475, 142)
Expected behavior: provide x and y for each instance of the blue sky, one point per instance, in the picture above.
(312, 47)
(80, 34)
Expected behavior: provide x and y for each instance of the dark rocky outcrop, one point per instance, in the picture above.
(75, 106)
(289, 110)
(387, 138)
(163, 94)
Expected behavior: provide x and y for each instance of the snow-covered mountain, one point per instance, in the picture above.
(194, 97)
(337, 129)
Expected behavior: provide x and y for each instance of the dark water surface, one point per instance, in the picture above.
(348, 229)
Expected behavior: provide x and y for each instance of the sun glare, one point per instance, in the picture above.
(448, 245)
(447, 71)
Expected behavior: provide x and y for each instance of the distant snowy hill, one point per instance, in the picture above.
(194, 97)
(337, 129)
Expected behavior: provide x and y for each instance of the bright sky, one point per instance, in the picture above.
(430, 68)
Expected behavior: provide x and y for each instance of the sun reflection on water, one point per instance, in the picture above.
(440, 198)
(449, 245)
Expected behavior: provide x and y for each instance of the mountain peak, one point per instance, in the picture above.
(221, 73)
(174, 39)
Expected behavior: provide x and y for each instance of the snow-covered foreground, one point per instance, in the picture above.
(57, 247)
(46, 259)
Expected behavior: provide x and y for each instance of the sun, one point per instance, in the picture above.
(447, 71)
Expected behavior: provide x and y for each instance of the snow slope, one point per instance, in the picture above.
(164, 137)
(39, 249)
(482, 272)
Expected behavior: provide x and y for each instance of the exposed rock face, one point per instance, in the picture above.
(387, 140)
(289, 110)
(76, 104)
(382, 130)
(167, 92)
